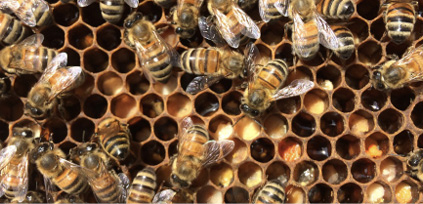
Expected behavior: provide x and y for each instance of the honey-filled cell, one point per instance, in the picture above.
(109, 37)
(262, 150)
(80, 37)
(123, 106)
(295, 194)
(363, 170)
(276, 126)
(321, 193)
(222, 175)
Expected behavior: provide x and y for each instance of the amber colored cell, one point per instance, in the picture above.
(152, 105)
(247, 128)
(11, 108)
(221, 175)
(344, 100)
(363, 170)
(316, 101)
(361, 122)
(209, 194)
(239, 153)
(289, 105)
(123, 60)
(250, 174)
(82, 129)
(373, 99)
(334, 171)
(321, 193)
(278, 170)
(179, 105)
(231, 103)
(236, 195)
(276, 126)
(168, 88)
(23, 84)
(350, 193)
(165, 128)
(332, 123)
(123, 106)
(369, 52)
(348, 147)
(110, 83)
(137, 83)
(95, 60)
(140, 129)
(406, 192)
(329, 77)
(319, 148)
(290, 149)
(295, 194)
(390, 120)
(303, 124)
(153, 152)
(262, 150)
(359, 28)
(403, 143)
(108, 37)
(80, 37)
(377, 145)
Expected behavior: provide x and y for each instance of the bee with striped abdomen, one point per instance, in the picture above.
(336, 9)
(26, 57)
(265, 86)
(415, 164)
(272, 192)
(156, 57)
(195, 151)
(31, 12)
(273, 9)
(397, 73)
(11, 29)
(346, 42)
(399, 18)
(111, 10)
(143, 187)
(31, 197)
(114, 138)
(185, 17)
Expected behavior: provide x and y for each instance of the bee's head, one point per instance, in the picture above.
(178, 182)
(378, 80)
(246, 109)
(82, 150)
(415, 158)
(132, 19)
(40, 150)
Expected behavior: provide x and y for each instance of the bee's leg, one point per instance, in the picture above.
(170, 15)
(392, 57)
(287, 27)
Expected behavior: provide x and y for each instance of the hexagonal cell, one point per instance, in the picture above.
(403, 143)
(262, 150)
(247, 128)
(329, 77)
(321, 193)
(136, 83)
(377, 145)
(169, 87)
(348, 147)
(306, 173)
(285, 52)
(193, 42)
(390, 120)
(222, 86)
(73, 57)
(272, 33)
(250, 174)
(278, 170)
(289, 105)
(82, 129)
(395, 49)
(54, 37)
(239, 154)
(361, 122)
(110, 83)
(57, 128)
(344, 100)
(391, 169)
(295, 194)
(377, 29)
(80, 37)
(23, 84)
(66, 14)
(231, 103)
(316, 101)
(95, 60)
(406, 192)
(367, 8)
(332, 124)
(303, 124)
(165, 128)
(123, 106)
(208, 194)
(152, 105)
(95, 106)
(11, 108)
(357, 76)
(350, 193)
(276, 126)
(173, 149)
(179, 105)
(334, 171)
(92, 15)
(220, 127)
(206, 104)
(359, 29)
(363, 170)
(66, 146)
(373, 99)
(379, 192)
(319, 148)
(369, 52)
(153, 152)
(236, 195)
(402, 98)
(222, 175)
(123, 60)
(290, 149)
(109, 37)
(140, 129)
(151, 11)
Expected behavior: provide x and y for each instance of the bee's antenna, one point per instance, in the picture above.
(83, 136)
(239, 120)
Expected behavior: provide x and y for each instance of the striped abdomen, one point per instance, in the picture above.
(112, 10)
(336, 9)
(117, 145)
(42, 18)
(201, 61)
(306, 41)
(346, 40)
(106, 188)
(399, 21)
(157, 60)
(142, 188)
(70, 181)
(273, 75)
(14, 175)
(30, 60)
(192, 145)
(270, 11)
(272, 192)
(413, 63)
(234, 26)
(11, 29)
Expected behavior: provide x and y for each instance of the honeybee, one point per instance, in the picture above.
(396, 73)
(31, 197)
(195, 151)
(399, 17)
(67, 198)
(336, 9)
(111, 10)
(106, 185)
(55, 80)
(272, 192)
(142, 188)
(31, 12)
(265, 86)
(185, 17)
(155, 55)
(228, 21)
(346, 42)
(415, 165)
(13, 31)
(26, 57)
(273, 9)
(169, 196)
(114, 138)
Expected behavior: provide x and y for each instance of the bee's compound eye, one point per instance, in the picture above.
(254, 112)
(244, 107)
(380, 86)
(178, 30)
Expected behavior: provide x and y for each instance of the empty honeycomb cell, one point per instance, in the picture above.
(239, 153)
(168, 88)
(344, 100)
(350, 193)
(316, 101)
(69, 107)
(295, 194)
(165, 128)
(206, 104)
(250, 174)
(284, 52)
(92, 15)
(373, 99)
(153, 152)
(276, 126)
(209, 194)
(236, 195)
(11, 107)
(390, 120)
(332, 124)
(379, 192)
(220, 127)
(289, 105)
(179, 105)
(222, 175)
(403, 143)
(151, 11)
(66, 14)
(262, 150)
(73, 57)
(391, 169)
(110, 83)
(95, 106)
(299, 73)
(377, 145)
(66, 146)
(123, 106)
(369, 52)
(247, 128)
(402, 98)
(109, 37)
(303, 124)
(357, 76)
(136, 83)
(80, 37)
(361, 122)
(416, 115)
(290, 149)
(272, 33)
(23, 84)
(334, 171)
(319, 148)
(278, 170)
(57, 128)
(306, 173)
(367, 8)
(123, 60)
(406, 192)
(363, 170)
(320, 193)
(54, 37)
(359, 28)
(328, 77)
(231, 103)
(377, 29)
(194, 41)
(152, 105)
(348, 147)
(82, 129)
(222, 86)
(95, 60)
(140, 129)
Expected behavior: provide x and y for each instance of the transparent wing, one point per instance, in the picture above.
(84, 3)
(326, 35)
(124, 183)
(33, 40)
(132, 3)
(13, 5)
(251, 29)
(20, 181)
(109, 129)
(65, 82)
(185, 125)
(415, 77)
(216, 151)
(209, 31)
(252, 53)
(60, 60)
(297, 87)
(299, 36)
(6, 154)
(282, 6)
(224, 26)
(164, 196)
(51, 190)
(200, 83)
(263, 8)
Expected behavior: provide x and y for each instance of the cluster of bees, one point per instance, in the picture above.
(90, 164)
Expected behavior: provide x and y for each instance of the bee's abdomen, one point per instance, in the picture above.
(70, 181)
(112, 10)
(307, 47)
(158, 62)
(271, 11)
(273, 75)
(272, 192)
(336, 9)
(142, 189)
(117, 145)
(346, 40)
(42, 18)
(400, 19)
(200, 61)
(14, 174)
(193, 146)
(106, 188)
(11, 29)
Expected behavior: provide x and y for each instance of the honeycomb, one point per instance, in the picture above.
(333, 128)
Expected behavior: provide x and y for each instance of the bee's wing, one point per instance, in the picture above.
(50, 189)
(174, 56)
(186, 123)
(216, 151)
(164, 196)
(263, 8)
(224, 26)
(84, 3)
(25, 15)
(6, 154)
(415, 77)
(132, 3)
(63, 83)
(35, 40)
(12, 5)
(21, 181)
(209, 31)
(299, 35)
(282, 6)
(297, 87)
(251, 29)
(252, 54)
(124, 183)
(200, 83)
(326, 35)
(60, 60)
